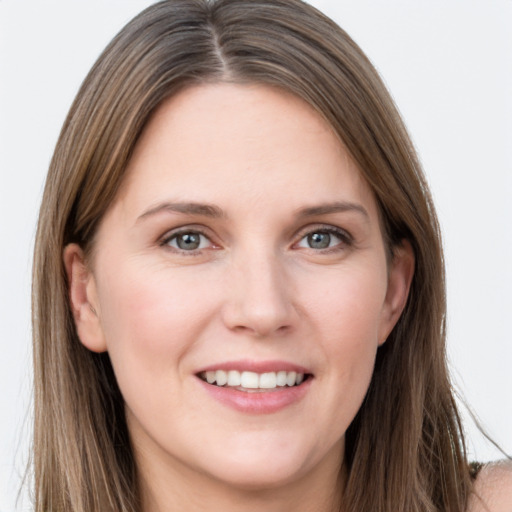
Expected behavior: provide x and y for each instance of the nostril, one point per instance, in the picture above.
(262, 331)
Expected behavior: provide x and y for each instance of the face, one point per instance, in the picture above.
(240, 285)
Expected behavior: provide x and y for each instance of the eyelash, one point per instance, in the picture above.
(185, 231)
(346, 240)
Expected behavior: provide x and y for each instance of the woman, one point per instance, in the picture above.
(238, 281)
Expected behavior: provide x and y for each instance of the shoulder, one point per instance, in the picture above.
(493, 488)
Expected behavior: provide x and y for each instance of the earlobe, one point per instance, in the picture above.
(400, 276)
(83, 299)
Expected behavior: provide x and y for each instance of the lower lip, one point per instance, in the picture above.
(261, 402)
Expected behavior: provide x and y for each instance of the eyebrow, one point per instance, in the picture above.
(214, 212)
(202, 209)
(336, 207)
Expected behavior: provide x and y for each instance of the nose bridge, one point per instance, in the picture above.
(259, 300)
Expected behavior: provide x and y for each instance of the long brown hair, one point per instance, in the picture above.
(404, 450)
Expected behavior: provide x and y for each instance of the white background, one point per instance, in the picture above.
(448, 64)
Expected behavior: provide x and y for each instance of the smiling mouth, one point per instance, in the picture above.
(252, 382)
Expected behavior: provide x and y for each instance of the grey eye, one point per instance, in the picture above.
(188, 241)
(319, 240)
(328, 238)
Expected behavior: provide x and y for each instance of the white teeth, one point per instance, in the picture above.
(221, 377)
(253, 380)
(291, 377)
(281, 378)
(249, 380)
(268, 380)
(234, 378)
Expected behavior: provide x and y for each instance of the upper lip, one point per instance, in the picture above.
(247, 365)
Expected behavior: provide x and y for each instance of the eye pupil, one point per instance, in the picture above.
(319, 240)
(188, 241)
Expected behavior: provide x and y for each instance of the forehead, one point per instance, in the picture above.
(219, 142)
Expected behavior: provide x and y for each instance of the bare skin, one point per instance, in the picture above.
(493, 489)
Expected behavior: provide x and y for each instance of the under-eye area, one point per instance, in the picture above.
(252, 381)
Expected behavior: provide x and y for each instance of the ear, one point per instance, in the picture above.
(83, 299)
(400, 275)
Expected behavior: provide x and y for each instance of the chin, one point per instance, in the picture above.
(266, 465)
(259, 477)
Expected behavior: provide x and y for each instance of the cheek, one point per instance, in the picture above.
(347, 316)
(349, 307)
(151, 321)
(153, 316)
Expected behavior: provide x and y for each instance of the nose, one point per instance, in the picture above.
(259, 297)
